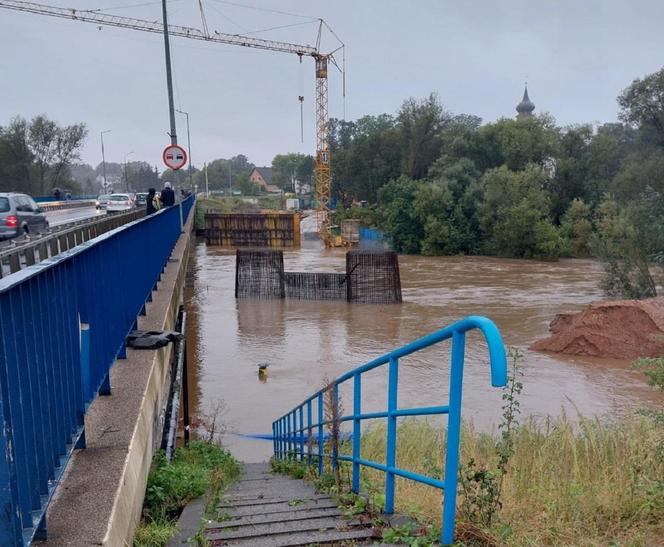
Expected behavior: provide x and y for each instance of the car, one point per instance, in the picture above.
(141, 199)
(102, 201)
(119, 202)
(19, 214)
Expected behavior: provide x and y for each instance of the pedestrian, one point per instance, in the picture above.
(57, 194)
(167, 195)
(152, 203)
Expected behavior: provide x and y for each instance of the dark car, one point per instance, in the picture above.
(141, 199)
(19, 214)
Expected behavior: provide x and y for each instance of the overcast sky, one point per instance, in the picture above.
(577, 55)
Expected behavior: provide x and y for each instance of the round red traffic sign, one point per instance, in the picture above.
(174, 157)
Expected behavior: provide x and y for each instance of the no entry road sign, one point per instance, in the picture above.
(174, 157)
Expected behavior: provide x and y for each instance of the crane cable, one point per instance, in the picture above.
(206, 31)
(300, 98)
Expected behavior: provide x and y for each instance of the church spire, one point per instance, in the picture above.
(526, 106)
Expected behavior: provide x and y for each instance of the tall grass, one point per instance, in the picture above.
(592, 482)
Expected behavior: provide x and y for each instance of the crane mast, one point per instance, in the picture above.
(323, 174)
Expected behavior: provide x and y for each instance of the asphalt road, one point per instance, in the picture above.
(64, 216)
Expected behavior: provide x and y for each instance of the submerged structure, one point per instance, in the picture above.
(372, 277)
(267, 229)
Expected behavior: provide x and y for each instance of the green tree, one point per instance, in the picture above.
(514, 214)
(420, 124)
(625, 240)
(288, 168)
(576, 228)
(16, 159)
(642, 104)
(54, 148)
(399, 218)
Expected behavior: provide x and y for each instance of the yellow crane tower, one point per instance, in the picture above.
(323, 175)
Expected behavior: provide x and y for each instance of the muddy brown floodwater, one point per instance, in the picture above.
(306, 343)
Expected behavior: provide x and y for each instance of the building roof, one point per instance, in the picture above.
(526, 106)
(266, 173)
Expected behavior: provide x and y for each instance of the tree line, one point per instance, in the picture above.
(442, 184)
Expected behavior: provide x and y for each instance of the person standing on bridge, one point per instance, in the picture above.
(152, 203)
(167, 195)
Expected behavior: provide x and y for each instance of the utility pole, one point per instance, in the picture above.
(207, 186)
(103, 159)
(188, 148)
(230, 192)
(169, 75)
(125, 170)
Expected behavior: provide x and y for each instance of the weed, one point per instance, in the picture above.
(154, 533)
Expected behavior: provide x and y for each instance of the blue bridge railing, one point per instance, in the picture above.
(291, 431)
(63, 323)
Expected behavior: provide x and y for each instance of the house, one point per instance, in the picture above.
(262, 176)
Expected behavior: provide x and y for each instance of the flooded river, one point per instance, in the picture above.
(306, 343)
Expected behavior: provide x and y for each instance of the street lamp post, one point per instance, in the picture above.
(103, 158)
(188, 146)
(125, 169)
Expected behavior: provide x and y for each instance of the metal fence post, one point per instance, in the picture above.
(390, 456)
(301, 413)
(357, 409)
(453, 437)
(321, 439)
(309, 434)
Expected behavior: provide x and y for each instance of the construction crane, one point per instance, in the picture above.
(323, 175)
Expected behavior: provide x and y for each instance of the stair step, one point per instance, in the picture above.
(282, 507)
(324, 537)
(289, 527)
(267, 500)
(265, 518)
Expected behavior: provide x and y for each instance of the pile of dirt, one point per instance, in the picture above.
(619, 329)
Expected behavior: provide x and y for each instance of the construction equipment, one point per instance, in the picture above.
(323, 175)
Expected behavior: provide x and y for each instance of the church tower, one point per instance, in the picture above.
(525, 107)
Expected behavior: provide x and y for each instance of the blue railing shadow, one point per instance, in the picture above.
(63, 323)
(290, 433)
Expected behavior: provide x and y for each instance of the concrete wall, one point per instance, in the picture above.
(100, 497)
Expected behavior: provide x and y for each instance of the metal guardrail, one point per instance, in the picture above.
(41, 247)
(290, 434)
(68, 204)
(63, 323)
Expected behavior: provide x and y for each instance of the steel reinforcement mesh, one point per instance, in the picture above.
(373, 277)
(315, 285)
(259, 273)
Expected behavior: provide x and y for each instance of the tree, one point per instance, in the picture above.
(399, 218)
(15, 157)
(576, 228)
(54, 148)
(624, 243)
(642, 104)
(514, 214)
(420, 124)
(288, 168)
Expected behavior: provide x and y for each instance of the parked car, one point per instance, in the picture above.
(141, 199)
(102, 201)
(119, 202)
(19, 214)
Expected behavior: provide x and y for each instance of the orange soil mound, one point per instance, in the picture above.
(620, 329)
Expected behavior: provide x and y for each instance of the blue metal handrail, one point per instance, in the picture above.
(63, 323)
(289, 431)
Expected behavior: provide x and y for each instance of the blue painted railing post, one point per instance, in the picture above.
(310, 457)
(10, 519)
(453, 438)
(390, 457)
(337, 425)
(357, 410)
(321, 440)
(301, 413)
